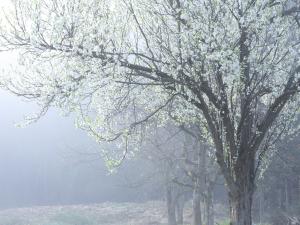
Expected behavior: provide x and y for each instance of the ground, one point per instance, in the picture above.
(150, 213)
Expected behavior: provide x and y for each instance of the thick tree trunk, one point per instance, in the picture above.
(241, 198)
(197, 217)
(171, 206)
(241, 195)
(240, 209)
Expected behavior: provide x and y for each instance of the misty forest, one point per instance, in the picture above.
(150, 112)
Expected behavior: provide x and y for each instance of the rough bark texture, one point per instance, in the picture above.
(241, 198)
(240, 210)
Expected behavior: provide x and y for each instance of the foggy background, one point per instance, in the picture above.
(47, 162)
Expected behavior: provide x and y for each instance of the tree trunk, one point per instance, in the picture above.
(241, 195)
(241, 198)
(179, 210)
(286, 189)
(240, 210)
(261, 208)
(171, 206)
(197, 220)
(212, 216)
(209, 207)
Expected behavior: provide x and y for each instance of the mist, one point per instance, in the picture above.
(51, 162)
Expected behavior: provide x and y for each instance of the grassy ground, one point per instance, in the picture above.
(150, 213)
(99, 214)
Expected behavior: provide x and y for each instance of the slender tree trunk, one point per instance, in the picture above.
(212, 217)
(282, 196)
(260, 206)
(298, 195)
(179, 210)
(286, 190)
(209, 207)
(197, 220)
(171, 206)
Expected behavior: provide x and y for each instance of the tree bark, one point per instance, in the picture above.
(209, 207)
(261, 208)
(241, 196)
(241, 200)
(240, 209)
(179, 210)
(171, 206)
(197, 217)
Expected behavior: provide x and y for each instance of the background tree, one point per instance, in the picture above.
(278, 189)
(201, 167)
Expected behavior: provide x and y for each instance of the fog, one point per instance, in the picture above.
(49, 162)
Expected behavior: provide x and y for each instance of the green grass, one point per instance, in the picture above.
(224, 222)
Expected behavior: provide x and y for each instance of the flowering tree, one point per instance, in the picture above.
(235, 63)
